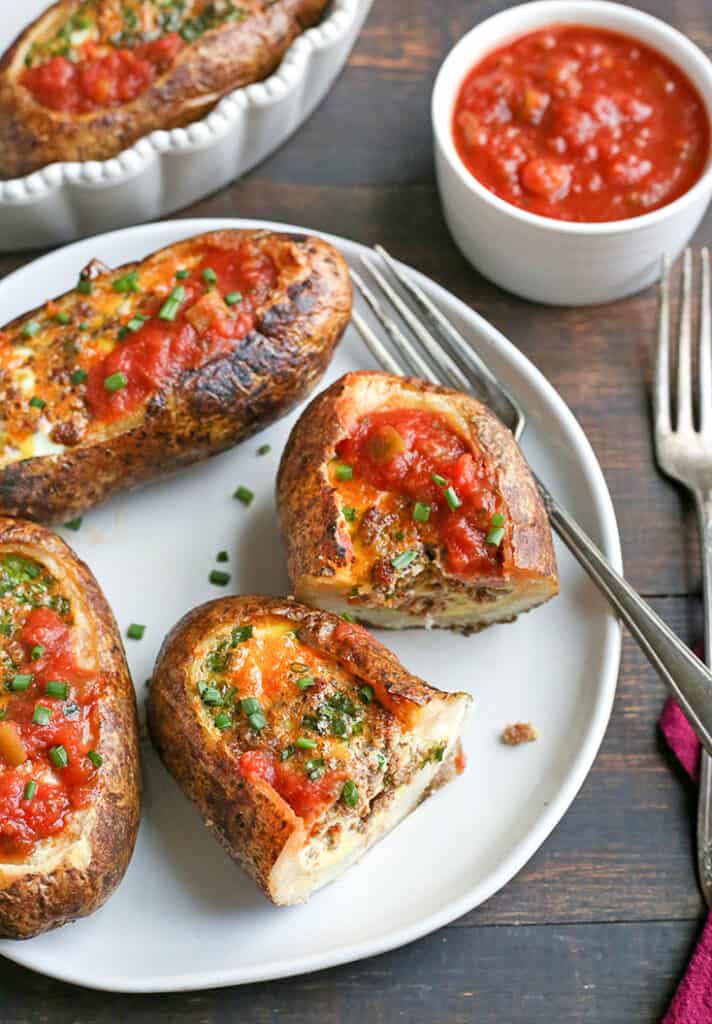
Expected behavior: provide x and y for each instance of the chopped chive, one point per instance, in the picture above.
(71, 710)
(62, 317)
(182, 274)
(58, 756)
(399, 535)
(209, 276)
(209, 694)
(134, 324)
(116, 381)
(73, 524)
(30, 790)
(37, 403)
(314, 768)
(55, 688)
(41, 715)
(78, 376)
(241, 634)
(96, 759)
(497, 519)
(366, 693)
(135, 631)
(305, 682)
(37, 652)
(495, 536)
(222, 556)
(244, 494)
(85, 286)
(304, 743)
(83, 326)
(452, 499)
(233, 298)
(347, 617)
(350, 513)
(223, 721)
(3, 712)
(349, 794)
(257, 721)
(439, 480)
(127, 283)
(404, 559)
(285, 754)
(344, 472)
(264, 449)
(31, 329)
(20, 682)
(170, 307)
(250, 705)
(421, 512)
(219, 578)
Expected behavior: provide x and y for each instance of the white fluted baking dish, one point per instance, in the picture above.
(167, 170)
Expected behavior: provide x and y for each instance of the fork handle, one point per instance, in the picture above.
(704, 799)
(687, 678)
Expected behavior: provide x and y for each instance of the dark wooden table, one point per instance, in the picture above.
(600, 924)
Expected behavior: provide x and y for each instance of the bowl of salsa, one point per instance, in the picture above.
(573, 148)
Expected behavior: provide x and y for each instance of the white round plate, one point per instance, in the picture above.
(185, 916)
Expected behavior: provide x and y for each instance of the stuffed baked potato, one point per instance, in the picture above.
(89, 78)
(301, 738)
(69, 764)
(408, 504)
(151, 367)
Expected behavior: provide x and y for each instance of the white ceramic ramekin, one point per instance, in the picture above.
(540, 258)
(167, 170)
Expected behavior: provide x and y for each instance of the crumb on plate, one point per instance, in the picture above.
(520, 732)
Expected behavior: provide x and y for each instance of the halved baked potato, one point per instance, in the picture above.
(301, 738)
(88, 78)
(145, 369)
(69, 762)
(408, 504)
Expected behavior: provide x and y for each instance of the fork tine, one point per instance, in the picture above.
(449, 369)
(705, 351)
(466, 356)
(409, 356)
(684, 348)
(378, 351)
(662, 361)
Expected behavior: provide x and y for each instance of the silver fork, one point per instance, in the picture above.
(420, 341)
(684, 452)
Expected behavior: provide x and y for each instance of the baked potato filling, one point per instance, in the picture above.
(109, 51)
(49, 730)
(414, 494)
(296, 719)
(99, 353)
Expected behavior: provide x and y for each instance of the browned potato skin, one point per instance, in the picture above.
(250, 821)
(37, 902)
(222, 59)
(307, 503)
(206, 410)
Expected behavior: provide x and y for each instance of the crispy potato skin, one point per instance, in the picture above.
(38, 901)
(249, 819)
(308, 506)
(222, 59)
(207, 409)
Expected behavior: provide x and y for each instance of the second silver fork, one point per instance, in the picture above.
(684, 452)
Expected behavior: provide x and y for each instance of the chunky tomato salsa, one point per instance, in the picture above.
(107, 55)
(429, 488)
(49, 723)
(581, 124)
(199, 314)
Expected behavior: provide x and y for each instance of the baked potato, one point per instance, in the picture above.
(408, 504)
(301, 738)
(88, 78)
(142, 370)
(69, 762)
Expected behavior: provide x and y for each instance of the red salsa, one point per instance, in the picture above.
(449, 487)
(200, 316)
(581, 124)
(49, 728)
(100, 80)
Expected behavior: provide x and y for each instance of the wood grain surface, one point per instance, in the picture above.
(600, 923)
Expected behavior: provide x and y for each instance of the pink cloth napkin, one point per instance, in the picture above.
(692, 1002)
